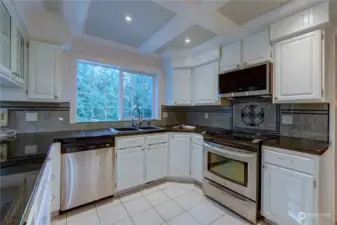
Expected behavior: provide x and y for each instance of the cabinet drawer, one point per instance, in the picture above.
(129, 142)
(198, 139)
(298, 163)
(156, 139)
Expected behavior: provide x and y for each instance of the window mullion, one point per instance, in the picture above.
(121, 99)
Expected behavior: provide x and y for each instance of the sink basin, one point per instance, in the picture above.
(126, 129)
(149, 128)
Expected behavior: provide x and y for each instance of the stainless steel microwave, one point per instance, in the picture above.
(251, 81)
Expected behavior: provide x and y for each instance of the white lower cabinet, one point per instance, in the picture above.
(179, 155)
(130, 167)
(156, 162)
(55, 183)
(286, 192)
(197, 162)
(157, 156)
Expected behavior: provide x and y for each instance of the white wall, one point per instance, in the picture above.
(94, 51)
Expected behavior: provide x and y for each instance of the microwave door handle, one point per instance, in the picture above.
(231, 153)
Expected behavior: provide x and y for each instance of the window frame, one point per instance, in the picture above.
(120, 106)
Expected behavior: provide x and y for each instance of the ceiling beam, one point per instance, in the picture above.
(75, 13)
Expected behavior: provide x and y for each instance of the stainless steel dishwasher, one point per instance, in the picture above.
(87, 171)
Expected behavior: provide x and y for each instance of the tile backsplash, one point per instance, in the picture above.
(295, 120)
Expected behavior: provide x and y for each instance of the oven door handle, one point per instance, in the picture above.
(231, 153)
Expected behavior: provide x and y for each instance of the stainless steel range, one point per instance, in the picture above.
(231, 172)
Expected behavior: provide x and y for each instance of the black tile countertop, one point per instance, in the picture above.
(309, 146)
(23, 161)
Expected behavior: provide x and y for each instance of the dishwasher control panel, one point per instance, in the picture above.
(85, 145)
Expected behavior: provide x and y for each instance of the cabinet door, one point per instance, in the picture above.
(130, 167)
(156, 162)
(55, 183)
(197, 162)
(230, 57)
(44, 71)
(286, 193)
(206, 83)
(255, 48)
(104, 173)
(298, 69)
(181, 87)
(5, 37)
(179, 155)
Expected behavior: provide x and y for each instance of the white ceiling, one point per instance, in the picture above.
(161, 26)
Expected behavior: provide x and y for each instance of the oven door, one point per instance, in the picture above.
(232, 168)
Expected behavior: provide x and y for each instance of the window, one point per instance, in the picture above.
(107, 93)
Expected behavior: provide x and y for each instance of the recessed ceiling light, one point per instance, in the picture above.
(128, 18)
(187, 40)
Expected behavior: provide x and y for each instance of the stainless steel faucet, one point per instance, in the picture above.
(133, 117)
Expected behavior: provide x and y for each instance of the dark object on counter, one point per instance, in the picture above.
(309, 146)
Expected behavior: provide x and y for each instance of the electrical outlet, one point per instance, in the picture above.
(287, 119)
(31, 116)
(165, 115)
(206, 115)
(3, 117)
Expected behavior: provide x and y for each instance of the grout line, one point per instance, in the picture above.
(99, 219)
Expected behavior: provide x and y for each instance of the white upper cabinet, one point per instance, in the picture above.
(13, 50)
(156, 162)
(44, 71)
(182, 87)
(301, 22)
(255, 48)
(179, 155)
(298, 69)
(130, 168)
(230, 57)
(206, 84)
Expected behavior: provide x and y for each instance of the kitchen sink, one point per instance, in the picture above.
(126, 129)
(150, 128)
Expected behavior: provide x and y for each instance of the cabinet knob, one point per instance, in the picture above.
(237, 66)
(56, 97)
(275, 98)
(245, 63)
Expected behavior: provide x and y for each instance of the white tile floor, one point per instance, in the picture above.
(166, 204)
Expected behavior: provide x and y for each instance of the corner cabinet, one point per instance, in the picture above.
(44, 71)
(206, 84)
(298, 75)
(179, 155)
(182, 86)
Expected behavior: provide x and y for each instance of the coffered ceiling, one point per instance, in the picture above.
(170, 27)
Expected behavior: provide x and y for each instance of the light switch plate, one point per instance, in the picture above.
(206, 115)
(287, 119)
(30, 149)
(165, 115)
(31, 116)
(3, 117)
